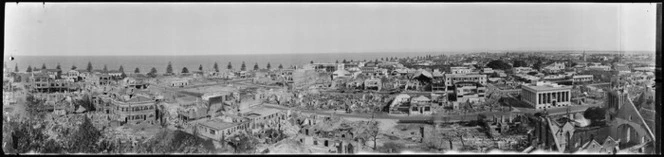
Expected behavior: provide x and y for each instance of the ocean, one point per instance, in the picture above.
(145, 63)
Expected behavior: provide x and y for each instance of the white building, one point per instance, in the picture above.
(543, 95)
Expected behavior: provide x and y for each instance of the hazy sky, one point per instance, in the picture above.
(199, 28)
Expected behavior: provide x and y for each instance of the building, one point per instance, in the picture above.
(520, 70)
(125, 107)
(373, 83)
(451, 79)
(527, 78)
(340, 73)
(191, 108)
(582, 78)
(44, 83)
(325, 67)
(487, 71)
(599, 68)
(469, 92)
(554, 68)
(217, 129)
(421, 105)
(460, 70)
(305, 78)
(543, 95)
(438, 81)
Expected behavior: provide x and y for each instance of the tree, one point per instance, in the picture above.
(16, 67)
(121, 69)
(137, 71)
(498, 64)
(169, 68)
(243, 67)
(371, 131)
(89, 66)
(344, 61)
(43, 66)
(105, 68)
(73, 67)
(29, 69)
(336, 61)
(185, 70)
(281, 66)
(230, 66)
(153, 72)
(538, 65)
(243, 143)
(594, 114)
(256, 66)
(519, 63)
(28, 138)
(312, 62)
(200, 67)
(85, 139)
(216, 67)
(268, 65)
(58, 67)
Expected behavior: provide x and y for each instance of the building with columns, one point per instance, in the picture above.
(543, 95)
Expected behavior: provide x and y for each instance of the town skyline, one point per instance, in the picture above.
(35, 29)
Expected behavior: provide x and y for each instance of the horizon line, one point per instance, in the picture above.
(453, 52)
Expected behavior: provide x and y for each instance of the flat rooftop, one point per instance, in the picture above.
(262, 111)
(546, 87)
(215, 123)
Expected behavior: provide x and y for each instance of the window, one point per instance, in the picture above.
(213, 132)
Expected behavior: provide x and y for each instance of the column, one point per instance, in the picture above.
(539, 98)
(568, 96)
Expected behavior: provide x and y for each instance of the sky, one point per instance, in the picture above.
(277, 28)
